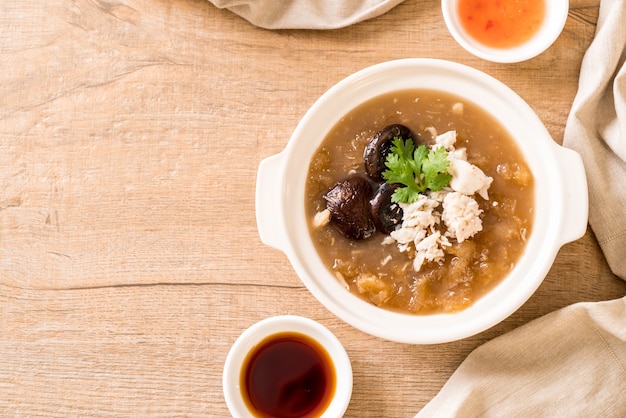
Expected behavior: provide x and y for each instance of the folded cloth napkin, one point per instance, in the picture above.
(596, 128)
(572, 362)
(306, 14)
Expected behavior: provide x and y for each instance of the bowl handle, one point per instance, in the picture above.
(576, 197)
(268, 201)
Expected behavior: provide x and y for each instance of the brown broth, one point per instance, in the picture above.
(288, 375)
(470, 268)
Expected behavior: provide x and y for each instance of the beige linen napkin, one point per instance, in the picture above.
(596, 129)
(572, 362)
(306, 14)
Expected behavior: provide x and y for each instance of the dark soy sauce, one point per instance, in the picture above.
(288, 375)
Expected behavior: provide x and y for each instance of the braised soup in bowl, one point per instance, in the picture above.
(290, 210)
(443, 250)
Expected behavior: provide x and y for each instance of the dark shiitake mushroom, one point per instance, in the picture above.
(387, 215)
(348, 203)
(379, 147)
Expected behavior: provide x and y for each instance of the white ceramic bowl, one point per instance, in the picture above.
(278, 324)
(560, 215)
(556, 15)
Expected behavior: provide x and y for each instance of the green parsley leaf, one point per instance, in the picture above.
(436, 169)
(417, 169)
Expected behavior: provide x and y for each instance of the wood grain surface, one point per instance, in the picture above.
(130, 136)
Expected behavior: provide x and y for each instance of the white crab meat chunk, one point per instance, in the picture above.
(446, 140)
(321, 218)
(468, 179)
(461, 216)
(459, 153)
(418, 219)
(429, 249)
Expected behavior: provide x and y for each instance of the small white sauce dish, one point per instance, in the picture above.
(555, 17)
(560, 208)
(257, 333)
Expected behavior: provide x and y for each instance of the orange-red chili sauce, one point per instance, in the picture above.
(502, 23)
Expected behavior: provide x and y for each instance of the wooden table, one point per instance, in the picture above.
(130, 136)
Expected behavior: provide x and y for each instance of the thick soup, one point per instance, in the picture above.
(470, 239)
